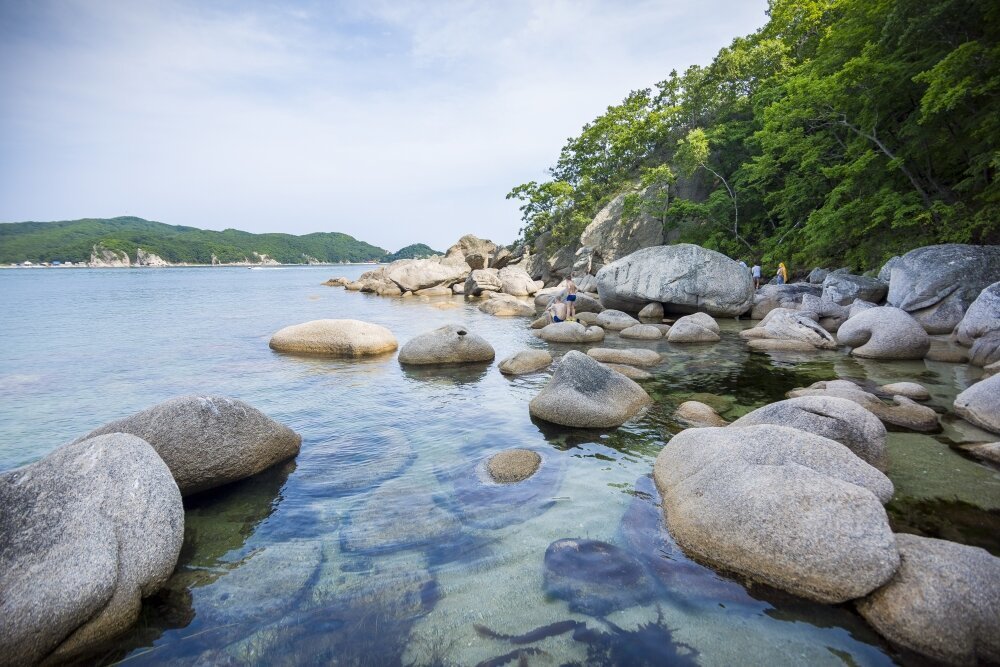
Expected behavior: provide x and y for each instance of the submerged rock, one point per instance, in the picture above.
(980, 404)
(357, 463)
(783, 506)
(683, 277)
(570, 332)
(513, 465)
(936, 284)
(831, 417)
(86, 533)
(584, 394)
(635, 356)
(208, 441)
(943, 602)
(904, 413)
(525, 361)
(450, 344)
(595, 578)
(884, 333)
(912, 390)
(335, 338)
(696, 328)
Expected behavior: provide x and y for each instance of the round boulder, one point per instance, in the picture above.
(335, 338)
(525, 361)
(792, 509)
(642, 332)
(912, 390)
(985, 349)
(905, 413)
(982, 317)
(450, 344)
(570, 332)
(630, 372)
(615, 320)
(635, 356)
(651, 311)
(980, 404)
(696, 328)
(944, 601)
(698, 415)
(830, 417)
(884, 333)
(583, 393)
(509, 307)
(208, 441)
(87, 532)
(513, 465)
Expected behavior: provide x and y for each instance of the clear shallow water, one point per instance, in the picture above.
(380, 544)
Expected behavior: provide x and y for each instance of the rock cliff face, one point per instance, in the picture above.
(609, 237)
(105, 258)
(143, 258)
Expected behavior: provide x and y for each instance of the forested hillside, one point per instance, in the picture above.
(414, 251)
(73, 240)
(841, 133)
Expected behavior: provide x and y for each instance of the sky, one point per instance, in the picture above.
(394, 122)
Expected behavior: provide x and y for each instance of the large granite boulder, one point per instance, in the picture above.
(905, 412)
(584, 394)
(515, 281)
(884, 333)
(525, 361)
(944, 601)
(982, 317)
(980, 404)
(817, 276)
(696, 328)
(571, 332)
(885, 273)
(506, 307)
(208, 441)
(416, 274)
(635, 356)
(683, 277)
(844, 288)
(831, 417)
(610, 237)
(335, 338)
(450, 344)
(789, 325)
(376, 282)
(789, 295)
(482, 280)
(936, 284)
(85, 534)
(792, 509)
(475, 252)
(985, 350)
(615, 320)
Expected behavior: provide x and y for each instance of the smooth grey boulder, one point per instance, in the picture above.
(769, 297)
(208, 441)
(417, 274)
(482, 280)
(651, 311)
(642, 332)
(817, 276)
(450, 344)
(698, 415)
(584, 394)
(570, 332)
(982, 317)
(635, 356)
(936, 284)
(682, 277)
(985, 350)
(631, 372)
(525, 361)
(515, 281)
(911, 390)
(504, 305)
(980, 404)
(822, 307)
(696, 328)
(944, 601)
(858, 307)
(905, 413)
(85, 534)
(792, 509)
(782, 324)
(615, 320)
(884, 333)
(831, 417)
(335, 338)
(844, 289)
(885, 273)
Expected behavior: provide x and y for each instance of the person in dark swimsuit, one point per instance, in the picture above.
(571, 298)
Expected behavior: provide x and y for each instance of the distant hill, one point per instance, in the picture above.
(415, 251)
(73, 240)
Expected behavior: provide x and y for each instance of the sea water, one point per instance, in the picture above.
(381, 543)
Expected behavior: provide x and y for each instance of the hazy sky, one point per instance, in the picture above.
(395, 122)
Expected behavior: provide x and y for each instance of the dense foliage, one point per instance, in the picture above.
(414, 251)
(73, 240)
(841, 133)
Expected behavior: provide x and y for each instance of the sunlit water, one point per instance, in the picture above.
(380, 543)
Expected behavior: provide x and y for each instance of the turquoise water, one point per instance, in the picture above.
(379, 544)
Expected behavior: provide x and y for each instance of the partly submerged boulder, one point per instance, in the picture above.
(335, 338)
(783, 506)
(782, 324)
(980, 404)
(506, 307)
(905, 413)
(696, 328)
(831, 417)
(417, 274)
(450, 344)
(698, 415)
(944, 601)
(985, 350)
(936, 284)
(682, 277)
(634, 356)
(884, 333)
(642, 332)
(85, 534)
(513, 465)
(525, 361)
(582, 393)
(570, 332)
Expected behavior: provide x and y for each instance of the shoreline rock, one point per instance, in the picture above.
(334, 338)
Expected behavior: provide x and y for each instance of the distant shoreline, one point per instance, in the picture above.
(193, 266)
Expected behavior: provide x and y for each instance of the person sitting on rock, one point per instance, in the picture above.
(558, 310)
(570, 299)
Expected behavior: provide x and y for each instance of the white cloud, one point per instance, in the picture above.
(393, 122)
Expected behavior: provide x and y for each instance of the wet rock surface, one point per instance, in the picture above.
(525, 361)
(513, 465)
(698, 414)
(635, 356)
(904, 412)
(571, 332)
